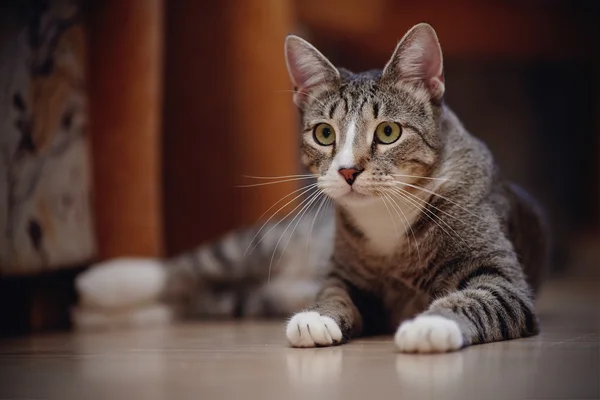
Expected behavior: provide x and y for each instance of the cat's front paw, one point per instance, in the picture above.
(429, 334)
(311, 329)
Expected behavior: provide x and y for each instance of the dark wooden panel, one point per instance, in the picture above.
(227, 113)
(125, 68)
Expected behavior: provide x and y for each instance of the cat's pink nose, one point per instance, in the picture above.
(350, 174)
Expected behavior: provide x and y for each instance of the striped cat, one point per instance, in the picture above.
(425, 239)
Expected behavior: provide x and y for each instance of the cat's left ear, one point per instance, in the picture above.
(310, 71)
(418, 58)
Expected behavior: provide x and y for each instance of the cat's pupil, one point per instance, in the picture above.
(387, 130)
(326, 132)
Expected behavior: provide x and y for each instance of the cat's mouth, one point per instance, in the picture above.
(356, 197)
(341, 191)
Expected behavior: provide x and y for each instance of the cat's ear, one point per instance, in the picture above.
(310, 71)
(418, 58)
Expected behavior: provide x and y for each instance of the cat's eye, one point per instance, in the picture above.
(388, 132)
(324, 134)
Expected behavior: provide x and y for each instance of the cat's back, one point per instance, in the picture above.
(528, 230)
(523, 218)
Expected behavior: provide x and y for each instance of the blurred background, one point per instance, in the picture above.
(125, 126)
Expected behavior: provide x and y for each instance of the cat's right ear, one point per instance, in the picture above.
(310, 71)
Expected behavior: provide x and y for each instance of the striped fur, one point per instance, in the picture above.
(247, 273)
(462, 256)
(430, 237)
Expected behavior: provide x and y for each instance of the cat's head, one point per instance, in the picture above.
(363, 133)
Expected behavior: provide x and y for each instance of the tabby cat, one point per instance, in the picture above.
(425, 238)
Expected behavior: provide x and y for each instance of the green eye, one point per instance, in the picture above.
(324, 134)
(388, 132)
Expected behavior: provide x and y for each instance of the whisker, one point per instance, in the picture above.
(391, 217)
(312, 225)
(403, 193)
(424, 210)
(440, 196)
(301, 214)
(273, 183)
(286, 196)
(440, 210)
(304, 190)
(305, 203)
(307, 176)
(457, 235)
(427, 177)
(437, 208)
(409, 227)
(397, 233)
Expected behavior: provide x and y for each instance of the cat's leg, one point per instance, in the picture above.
(333, 320)
(484, 306)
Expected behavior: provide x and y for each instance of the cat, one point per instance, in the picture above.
(425, 239)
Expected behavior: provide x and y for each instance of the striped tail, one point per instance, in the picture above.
(254, 272)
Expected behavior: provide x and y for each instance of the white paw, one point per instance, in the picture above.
(429, 334)
(121, 283)
(310, 329)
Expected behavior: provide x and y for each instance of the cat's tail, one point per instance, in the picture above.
(122, 292)
(241, 274)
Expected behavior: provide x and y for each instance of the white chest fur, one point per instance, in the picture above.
(385, 225)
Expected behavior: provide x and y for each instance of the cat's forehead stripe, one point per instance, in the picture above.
(345, 158)
(375, 110)
(332, 109)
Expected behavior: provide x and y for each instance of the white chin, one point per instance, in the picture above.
(353, 198)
